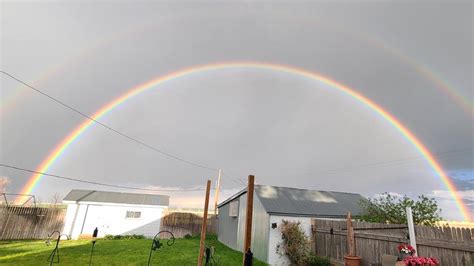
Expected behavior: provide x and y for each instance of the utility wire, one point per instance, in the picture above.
(234, 179)
(384, 163)
(96, 183)
(387, 163)
(106, 126)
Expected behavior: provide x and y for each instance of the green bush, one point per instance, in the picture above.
(314, 260)
(138, 236)
(295, 244)
(119, 237)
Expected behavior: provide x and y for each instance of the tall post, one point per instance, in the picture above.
(204, 224)
(217, 192)
(411, 229)
(350, 236)
(248, 223)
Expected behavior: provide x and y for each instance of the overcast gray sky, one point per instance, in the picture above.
(285, 129)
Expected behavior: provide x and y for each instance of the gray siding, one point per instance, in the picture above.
(227, 228)
(260, 228)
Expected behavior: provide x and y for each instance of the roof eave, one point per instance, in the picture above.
(335, 216)
(236, 195)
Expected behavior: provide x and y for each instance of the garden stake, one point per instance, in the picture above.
(248, 258)
(55, 252)
(204, 224)
(156, 243)
(94, 237)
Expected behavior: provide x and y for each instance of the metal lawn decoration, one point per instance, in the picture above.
(55, 253)
(156, 244)
(94, 239)
(209, 256)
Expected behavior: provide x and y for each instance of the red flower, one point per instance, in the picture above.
(414, 261)
(406, 249)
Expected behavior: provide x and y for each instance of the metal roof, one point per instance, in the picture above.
(303, 202)
(79, 195)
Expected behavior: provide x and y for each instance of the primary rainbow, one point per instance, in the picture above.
(71, 137)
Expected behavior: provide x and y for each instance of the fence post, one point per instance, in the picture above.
(204, 224)
(411, 230)
(248, 223)
(350, 236)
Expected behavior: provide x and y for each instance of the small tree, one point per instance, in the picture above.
(55, 200)
(295, 244)
(391, 209)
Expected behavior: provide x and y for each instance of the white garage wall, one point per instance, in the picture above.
(275, 237)
(69, 218)
(111, 219)
(73, 221)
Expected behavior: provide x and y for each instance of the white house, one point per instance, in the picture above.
(272, 205)
(113, 213)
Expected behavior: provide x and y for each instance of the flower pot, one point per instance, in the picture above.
(403, 256)
(352, 260)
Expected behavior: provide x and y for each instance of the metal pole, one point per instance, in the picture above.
(217, 192)
(92, 251)
(204, 224)
(411, 229)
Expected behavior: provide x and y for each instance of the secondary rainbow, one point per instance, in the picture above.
(463, 101)
(71, 137)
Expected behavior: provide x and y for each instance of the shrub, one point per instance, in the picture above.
(314, 260)
(188, 236)
(295, 244)
(119, 237)
(138, 236)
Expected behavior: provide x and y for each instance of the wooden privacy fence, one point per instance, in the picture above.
(183, 223)
(450, 245)
(18, 222)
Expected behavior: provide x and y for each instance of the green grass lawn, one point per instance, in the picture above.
(115, 252)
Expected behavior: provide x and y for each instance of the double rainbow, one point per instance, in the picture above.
(71, 137)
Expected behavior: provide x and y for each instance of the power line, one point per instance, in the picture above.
(234, 179)
(96, 183)
(106, 126)
(387, 163)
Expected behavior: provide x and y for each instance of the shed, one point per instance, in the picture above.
(113, 213)
(271, 206)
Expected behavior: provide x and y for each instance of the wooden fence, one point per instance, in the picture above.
(17, 222)
(183, 223)
(450, 245)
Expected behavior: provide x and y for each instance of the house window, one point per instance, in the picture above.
(234, 208)
(133, 215)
